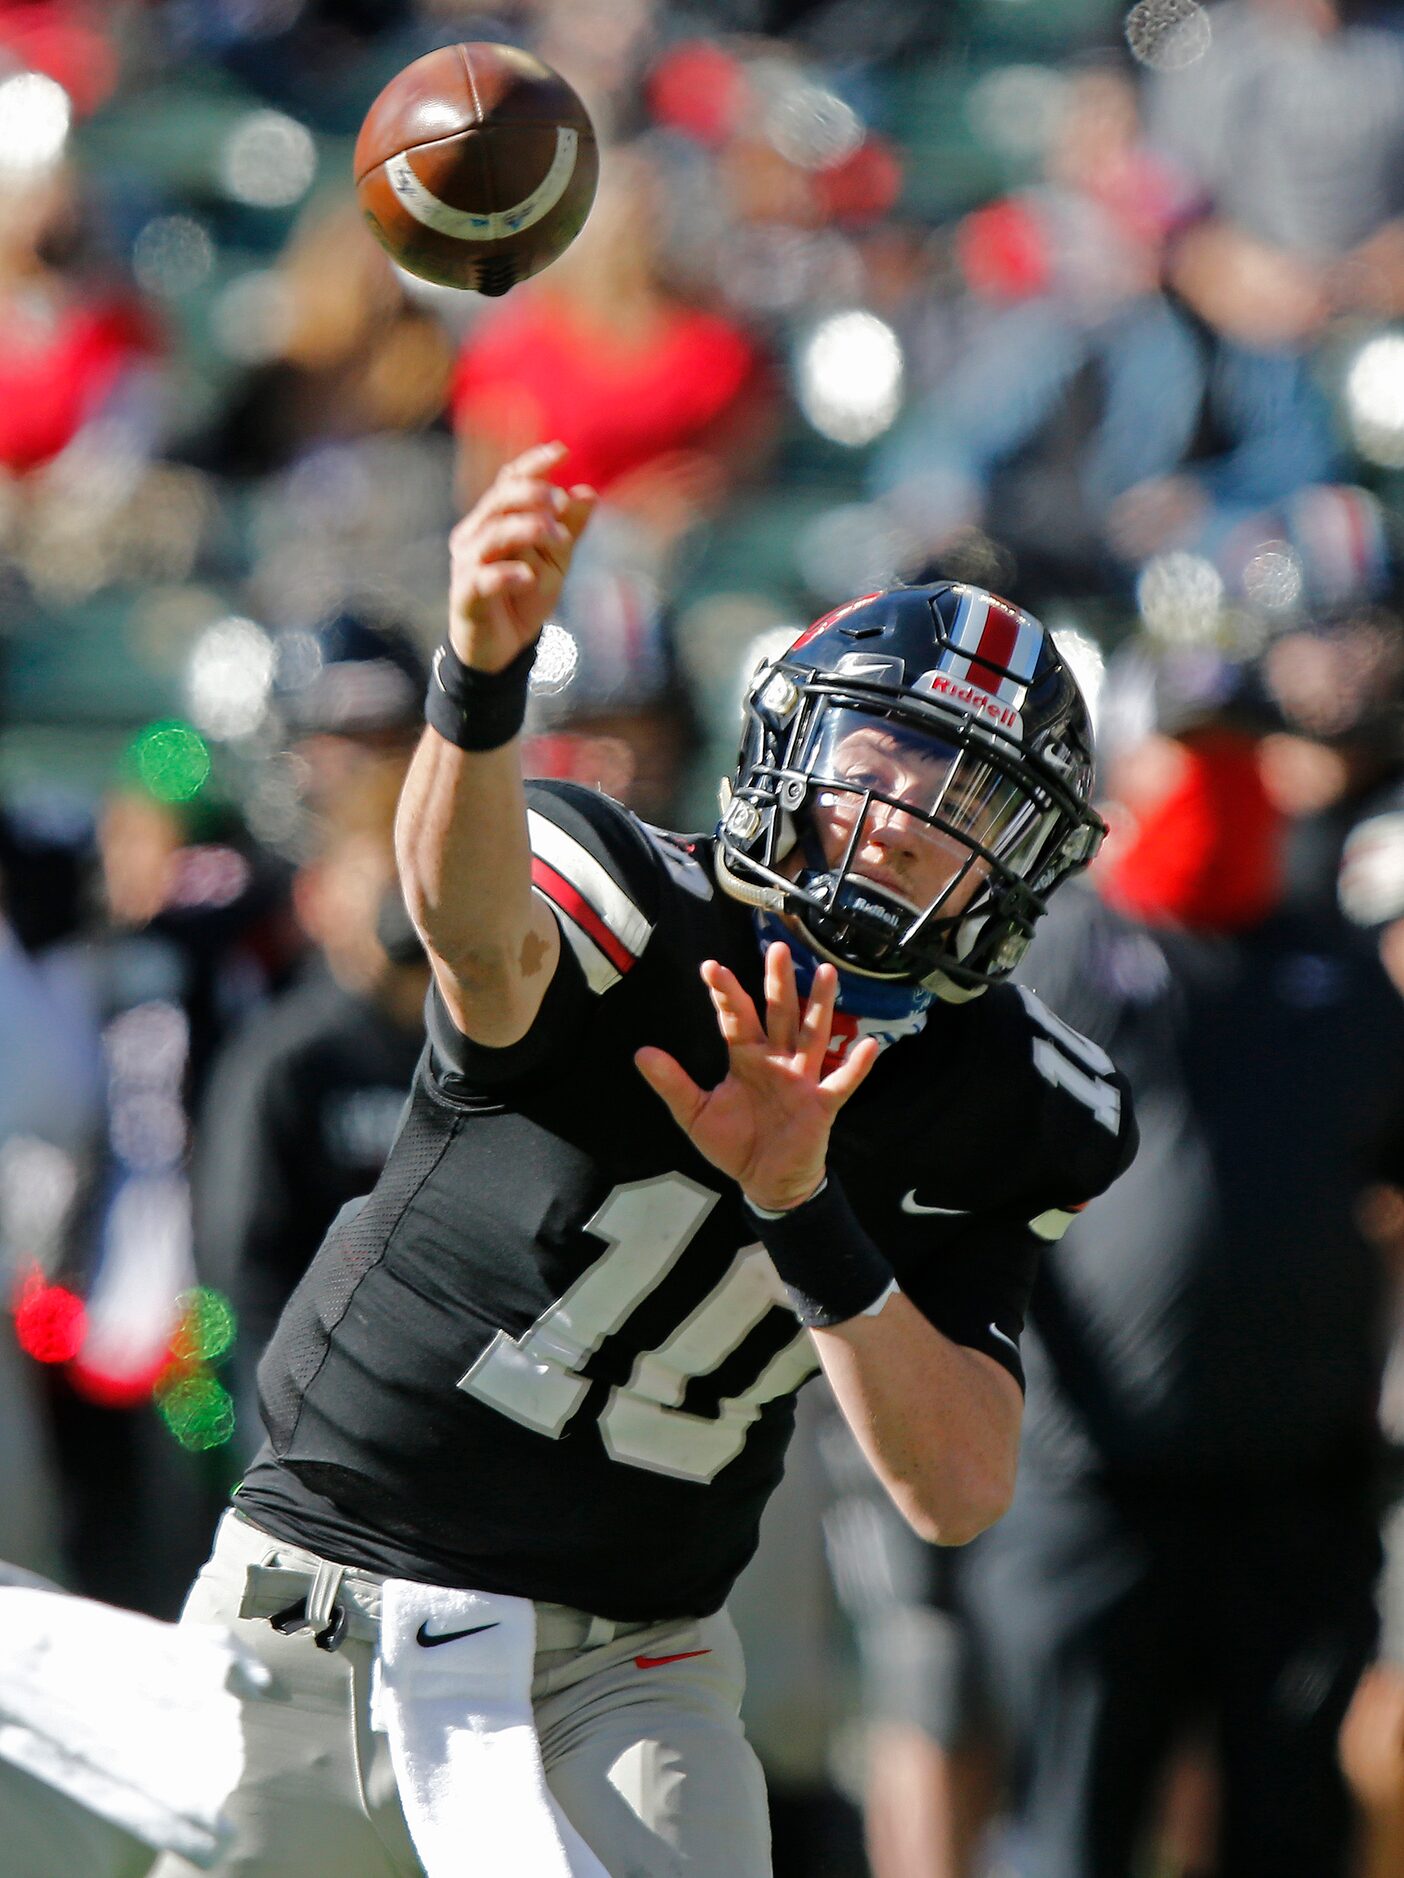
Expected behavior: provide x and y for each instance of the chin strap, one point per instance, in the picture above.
(884, 1008)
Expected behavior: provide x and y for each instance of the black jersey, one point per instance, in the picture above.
(547, 1357)
(1219, 1316)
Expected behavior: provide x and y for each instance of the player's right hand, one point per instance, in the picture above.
(510, 555)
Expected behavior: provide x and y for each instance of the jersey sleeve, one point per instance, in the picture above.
(1069, 1131)
(604, 881)
(976, 1289)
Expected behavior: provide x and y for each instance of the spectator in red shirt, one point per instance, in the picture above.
(67, 346)
(659, 399)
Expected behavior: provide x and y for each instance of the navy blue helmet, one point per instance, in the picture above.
(942, 709)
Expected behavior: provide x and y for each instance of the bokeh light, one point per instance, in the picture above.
(198, 1410)
(1374, 400)
(557, 661)
(1272, 579)
(1168, 35)
(208, 1326)
(809, 125)
(1181, 598)
(171, 760)
(849, 377)
(172, 256)
(229, 678)
(50, 1320)
(268, 160)
(35, 115)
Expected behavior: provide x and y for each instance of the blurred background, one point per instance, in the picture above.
(1102, 307)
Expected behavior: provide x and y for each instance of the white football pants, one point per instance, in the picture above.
(646, 1759)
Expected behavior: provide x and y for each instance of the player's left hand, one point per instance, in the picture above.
(766, 1124)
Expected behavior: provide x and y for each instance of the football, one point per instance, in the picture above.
(476, 166)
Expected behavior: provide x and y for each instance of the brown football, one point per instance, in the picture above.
(476, 166)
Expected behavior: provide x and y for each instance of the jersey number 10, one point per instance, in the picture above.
(537, 1378)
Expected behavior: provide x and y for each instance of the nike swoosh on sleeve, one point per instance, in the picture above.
(911, 1204)
(995, 1331)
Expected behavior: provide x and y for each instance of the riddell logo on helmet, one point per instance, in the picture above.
(975, 696)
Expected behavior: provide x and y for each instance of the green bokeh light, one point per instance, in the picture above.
(198, 1411)
(208, 1325)
(171, 760)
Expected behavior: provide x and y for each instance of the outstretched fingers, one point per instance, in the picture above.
(736, 1014)
(782, 1016)
(841, 1082)
(668, 1080)
(818, 1018)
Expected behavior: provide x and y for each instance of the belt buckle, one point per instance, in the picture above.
(289, 1621)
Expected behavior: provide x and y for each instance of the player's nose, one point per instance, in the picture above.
(892, 829)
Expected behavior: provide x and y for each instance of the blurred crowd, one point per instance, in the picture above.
(1099, 306)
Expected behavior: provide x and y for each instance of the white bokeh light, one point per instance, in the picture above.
(172, 256)
(229, 677)
(35, 115)
(1181, 598)
(812, 126)
(1374, 400)
(849, 375)
(1168, 35)
(557, 660)
(268, 160)
(1272, 580)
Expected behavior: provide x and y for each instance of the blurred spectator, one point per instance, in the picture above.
(50, 1101)
(191, 931)
(354, 355)
(662, 402)
(666, 408)
(1338, 684)
(73, 347)
(1291, 127)
(349, 695)
(1372, 1735)
(932, 1772)
(1193, 1540)
(306, 1100)
(1084, 421)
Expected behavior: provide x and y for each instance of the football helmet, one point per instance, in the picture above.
(914, 781)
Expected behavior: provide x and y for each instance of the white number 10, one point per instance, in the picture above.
(537, 1378)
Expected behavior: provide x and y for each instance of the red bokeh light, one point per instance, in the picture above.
(50, 1321)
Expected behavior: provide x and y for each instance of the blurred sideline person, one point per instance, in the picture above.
(1372, 1735)
(526, 1407)
(348, 698)
(1193, 1542)
(304, 1103)
(932, 1768)
(50, 1107)
(190, 932)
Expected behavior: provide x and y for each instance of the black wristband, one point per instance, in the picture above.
(828, 1264)
(477, 710)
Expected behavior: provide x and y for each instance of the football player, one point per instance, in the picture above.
(526, 1407)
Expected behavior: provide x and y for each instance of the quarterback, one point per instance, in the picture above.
(696, 1117)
